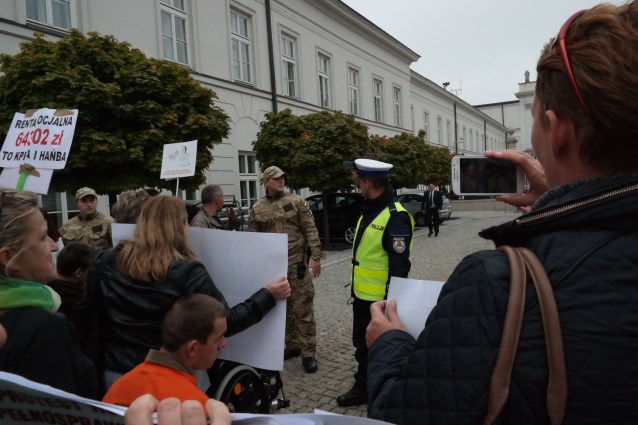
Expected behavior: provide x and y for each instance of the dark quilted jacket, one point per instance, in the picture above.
(589, 247)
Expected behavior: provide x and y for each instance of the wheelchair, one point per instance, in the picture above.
(245, 389)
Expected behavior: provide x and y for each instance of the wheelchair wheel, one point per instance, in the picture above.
(243, 391)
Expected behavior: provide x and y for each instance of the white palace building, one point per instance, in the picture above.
(261, 56)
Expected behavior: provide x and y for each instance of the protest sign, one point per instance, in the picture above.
(178, 160)
(41, 138)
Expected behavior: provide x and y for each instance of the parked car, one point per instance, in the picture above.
(411, 201)
(344, 210)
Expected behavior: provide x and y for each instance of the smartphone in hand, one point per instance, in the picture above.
(481, 176)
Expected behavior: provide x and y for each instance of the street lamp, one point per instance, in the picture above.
(457, 143)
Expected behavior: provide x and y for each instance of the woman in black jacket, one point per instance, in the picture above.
(138, 281)
(584, 231)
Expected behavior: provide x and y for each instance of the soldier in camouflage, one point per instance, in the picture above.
(90, 226)
(283, 212)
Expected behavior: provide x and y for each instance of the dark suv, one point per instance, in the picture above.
(344, 210)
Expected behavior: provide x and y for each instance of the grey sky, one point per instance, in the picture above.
(480, 46)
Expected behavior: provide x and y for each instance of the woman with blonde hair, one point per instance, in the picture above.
(38, 343)
(138, 281)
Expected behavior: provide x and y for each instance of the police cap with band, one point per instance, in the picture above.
(372, 168)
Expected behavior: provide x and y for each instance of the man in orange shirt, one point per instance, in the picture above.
(192, 335)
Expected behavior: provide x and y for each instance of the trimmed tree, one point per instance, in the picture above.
(407, 153)
(311, 150)
(129, 107)
(414, 161)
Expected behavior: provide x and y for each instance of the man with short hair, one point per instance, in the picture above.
(212, 203)
(192, 336)
(381, 249)
(90, 226)
(283, 212)
(431, 205)
(72, 268)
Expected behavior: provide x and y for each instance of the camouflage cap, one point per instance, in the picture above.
(84, 191)
(272, 172)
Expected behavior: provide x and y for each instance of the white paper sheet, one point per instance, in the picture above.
(415, 300)
(240, 263)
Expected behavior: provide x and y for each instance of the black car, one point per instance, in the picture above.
(344, 210)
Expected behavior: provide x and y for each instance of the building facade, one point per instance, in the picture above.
(516, 115)
(260, 56)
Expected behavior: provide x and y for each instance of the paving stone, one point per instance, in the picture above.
(432, 259)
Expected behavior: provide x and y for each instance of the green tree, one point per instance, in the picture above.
(311, 148)
(129, 107)
(407, 153)
(438, 169)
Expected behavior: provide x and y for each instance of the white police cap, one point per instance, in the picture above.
(372, 168)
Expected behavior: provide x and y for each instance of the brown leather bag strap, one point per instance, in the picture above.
(522, 260)
(557, 383)
(500, 382)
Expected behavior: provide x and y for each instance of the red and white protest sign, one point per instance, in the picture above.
(41, 138)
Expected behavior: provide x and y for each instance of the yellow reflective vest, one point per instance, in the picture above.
(370, 264)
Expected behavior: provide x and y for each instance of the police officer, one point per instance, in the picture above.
(381, 249)
(90, 226)
(283, 212)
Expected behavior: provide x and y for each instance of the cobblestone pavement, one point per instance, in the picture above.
(432, 258)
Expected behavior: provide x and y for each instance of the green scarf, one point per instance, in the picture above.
(24, 293)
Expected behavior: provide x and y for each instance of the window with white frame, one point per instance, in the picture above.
(426, 125)
(323, 63)
(248, 179)
(465, 137)
(448, 127)
(289, 65)
(174, 40)
(396, 105)
(353, 91)
(240, 47)
(377, 97)
(439, 128)
(56, 13)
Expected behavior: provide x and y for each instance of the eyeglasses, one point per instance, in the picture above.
(563, 52)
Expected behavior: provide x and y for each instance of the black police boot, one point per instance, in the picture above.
(290, 353)
(309, 364)
(354, 397)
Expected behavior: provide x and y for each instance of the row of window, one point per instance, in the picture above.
(289, 81)
(473, 144)
(175, 48)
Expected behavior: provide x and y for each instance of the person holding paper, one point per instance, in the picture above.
(582, 226)
(134, 284)
(381, 249)
(283, 212)
(192, 336)
(40, 344)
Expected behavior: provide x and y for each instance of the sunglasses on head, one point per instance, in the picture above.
(560, 40)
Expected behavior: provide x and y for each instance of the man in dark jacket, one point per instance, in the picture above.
(583, 230)
(431, 205)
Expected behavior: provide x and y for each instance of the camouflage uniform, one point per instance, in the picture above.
(93, 232)
(290, 214)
